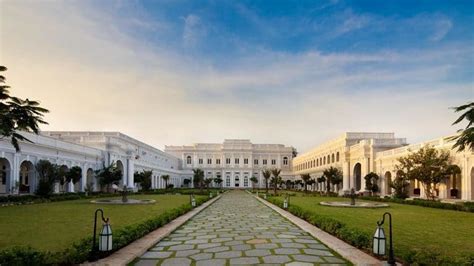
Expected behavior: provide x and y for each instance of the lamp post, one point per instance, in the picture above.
(380, 239)
(192, 200)
(286, 202)
(105, 235)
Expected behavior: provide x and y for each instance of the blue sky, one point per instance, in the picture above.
(308, 70)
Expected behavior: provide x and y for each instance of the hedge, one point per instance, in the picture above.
(363, 240)
(79, 251)
(466, 206)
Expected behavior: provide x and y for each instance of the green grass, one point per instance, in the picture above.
(55, 226)
(414, 227)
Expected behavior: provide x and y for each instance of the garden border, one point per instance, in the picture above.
(347, 251)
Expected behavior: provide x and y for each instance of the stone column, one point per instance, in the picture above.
(346, 173)
(15, 176)
(84, 178)
(131, 171)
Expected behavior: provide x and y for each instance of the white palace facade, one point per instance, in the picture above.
(234, 160)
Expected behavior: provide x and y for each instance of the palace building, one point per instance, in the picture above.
(235, 161)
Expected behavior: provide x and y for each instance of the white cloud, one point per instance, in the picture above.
(441, 28)
(93, 76)
(193, 30)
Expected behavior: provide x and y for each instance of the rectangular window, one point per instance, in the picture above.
(236, 160)
(227, 181)
(200, 161)
(274, 162)
(209, 161)
(218, 161)
(227, 160)
(264, 161)
(255, 161)
(246, 161)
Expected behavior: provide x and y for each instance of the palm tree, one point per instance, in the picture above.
(254, 181)
(266, 174)
(198, 178)
(18, 115)
(333, 176)
(305, 178)
(276, 178)
(166, 178)
(218, 180)
(466, 137)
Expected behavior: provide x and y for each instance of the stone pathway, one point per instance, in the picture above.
(239, 230)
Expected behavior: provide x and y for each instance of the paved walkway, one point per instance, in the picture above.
(238, 229)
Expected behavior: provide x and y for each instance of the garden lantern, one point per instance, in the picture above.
(286, 202)
(380, 240)
(264, 196)
(105, 237)
(193, 201)
(210, 195)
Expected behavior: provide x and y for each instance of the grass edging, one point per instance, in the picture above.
(79, 251)
(363, 240)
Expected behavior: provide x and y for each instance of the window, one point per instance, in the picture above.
(209, 161)
(317, 162)
(246, 181)
(314, 163)
(227, 160)
(274, 161)
(236, 160)
(246, 161)
(218, 161)
(200, 160)
(255, 161)
(227, 181)
(264, 161)
(285, 160)
(188, 160)
(337, 157)
(329, 159)
(332, 158)
(324, 161)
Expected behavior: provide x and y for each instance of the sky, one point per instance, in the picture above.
(292, 72)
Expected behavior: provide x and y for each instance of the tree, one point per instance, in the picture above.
(371, 182)
(429, 166)
(311, 183)
(305, 178)
(166, 178)
(400, 185)
(144, 179)
(109, 175)
(47, 175)
(333, 176)
(254, 181)
(218, 180)
(266, 175)
(275, 179)
(74, 175)
(465, 139)
(18, 115)
(198, 178)
(207, 182)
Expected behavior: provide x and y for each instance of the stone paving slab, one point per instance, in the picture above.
(239, 230)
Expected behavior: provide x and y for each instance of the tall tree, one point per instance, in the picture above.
(109, 175)
(144, 179)
(74, 175)
(266, 175)
(275, 179)
(429, 166)
(198, 178)
(400, 185)
(305, 178)
(333, 176)
(47, 174)
(218, 180)
(465, 139)
(321, 181)
(166, 178)
(18, 115)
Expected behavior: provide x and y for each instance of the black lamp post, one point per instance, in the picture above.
(380, 240)
(105, 235)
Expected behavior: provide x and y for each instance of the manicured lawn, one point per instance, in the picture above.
(55, 226)
(448, 232)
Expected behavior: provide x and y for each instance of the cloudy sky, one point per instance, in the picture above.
(292, 72)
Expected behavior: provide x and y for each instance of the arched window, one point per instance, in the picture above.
(332, 158)
(188, 160)
(320, 161)
(314, 163)
(329, 159)
(324, 160)
(317, 162)
(285, 160)
(337, 157)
